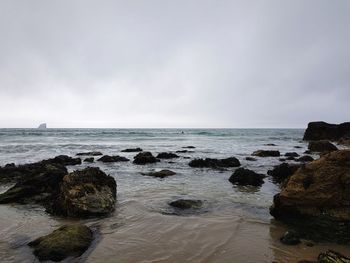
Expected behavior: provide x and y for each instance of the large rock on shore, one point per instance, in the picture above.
(318, 197)
(215, 163)
(266, 153)
(324, 131)
(144, 158)
(244, 176)
(283, 171)
(321, 146)
(66, 241)
(84, 193)
(38, 186)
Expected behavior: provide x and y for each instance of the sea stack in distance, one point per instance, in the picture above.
(42, 126)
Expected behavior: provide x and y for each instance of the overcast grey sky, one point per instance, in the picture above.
(182, 63)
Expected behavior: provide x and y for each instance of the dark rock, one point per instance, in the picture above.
(250, 159)
(290, 238)
(270, 144)
(244, 176)
(89, 160)
(189, 147)
(89, 153)
(63, 160)
(160, 174)
(215, 163)
(290, 158)
(307, 152)
(344, 141)
(317, 198)
(332, 257)
(291, 154)
(283, 171)
(184, 151)
(66, 241)
(113, 159)
(266, 153)
(298, 147)
(144, 158)
(321, 146)
(166, 155)
(38, 186)
(282, 159)
(325, 131)
(131, 150)
(88, 192)
(305, 159)
(187, 204)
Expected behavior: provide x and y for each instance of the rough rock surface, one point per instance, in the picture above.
(321, 146)
(244, 176)
(113, 159)
(186, 204)
(83, 193)
(319, 195)
(266, 153)
(165, 155)
(66, 241)
(283, 171)
(324, 131)
(144, 158)
(160, 174)
(132, 150)
(215, 163)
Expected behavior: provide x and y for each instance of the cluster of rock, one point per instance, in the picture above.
(215, 163)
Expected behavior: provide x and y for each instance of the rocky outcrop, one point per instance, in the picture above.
(186, 204)
(266, 153)
(84, 193)
(324, 131)
(113, 159)
(215, 163)
(244, 176)
(89, 160)
(165, 155)
(89, 154)
(160, 174)
(66, 241)
(321, 146)
(318, 196)
(281, 172)
(63, 160)
(291, 154)
(132, 150)
(145, 158)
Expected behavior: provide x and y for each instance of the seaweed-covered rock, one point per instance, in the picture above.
(66, 241)
(283, 171)
(131, 150)
(305, 159)
(290, 238)
(94, 153)
(332, 257)
(324, 131)
(160, 174)
(113, 159)
(165, 155)
(186, 204)
(38, 188)
(291, 154)
(244, 176)
(83, 193)
(318, 196)
(144, 158)
(89, 160)
(321, 146)
(266, 153)
(215, 163)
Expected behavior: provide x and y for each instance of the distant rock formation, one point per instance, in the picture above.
(42, 126)
(324, 131)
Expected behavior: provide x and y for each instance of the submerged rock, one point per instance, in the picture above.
(113, 159)
(89, 153)
(89, 160)
(184, 151)
(131, 150)
(270, 144)
(321, 146)
(165, 155)
(266, 153)
(189, 147)
(290, 238)
(305, 159)
(244, 176)
(144, 158)
(250, 159)
(325, 131)
(291, 154)
(160, 174)
(186, 204)
(87, 192)
(283, 171)
(215, 163)
(317, 198)
(66, 241)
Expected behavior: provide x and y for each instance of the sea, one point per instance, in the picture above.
(234, 224)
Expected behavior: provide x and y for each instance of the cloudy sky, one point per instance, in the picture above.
(184, 63)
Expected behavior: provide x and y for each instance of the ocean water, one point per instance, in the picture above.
(234, 221)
